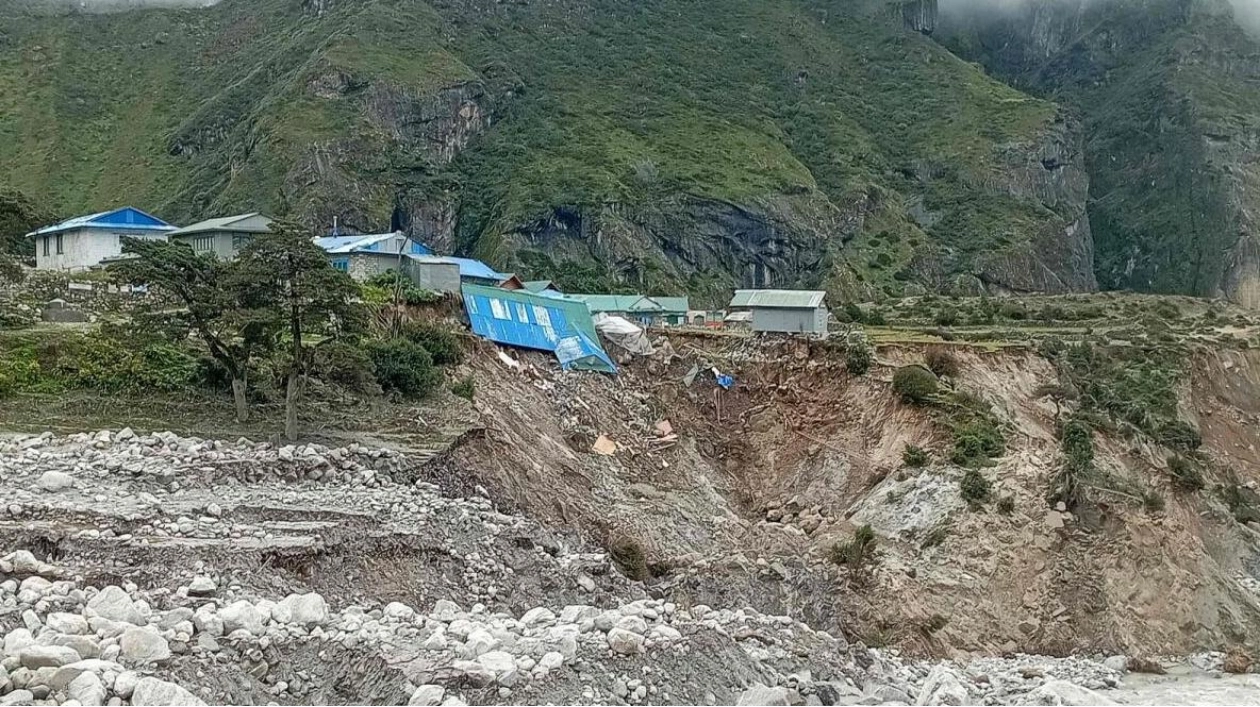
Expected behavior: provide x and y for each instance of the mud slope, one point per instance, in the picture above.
(763, 479)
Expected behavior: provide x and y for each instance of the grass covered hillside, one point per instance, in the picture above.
(663, 144)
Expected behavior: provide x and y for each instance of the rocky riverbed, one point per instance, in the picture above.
(155, 569)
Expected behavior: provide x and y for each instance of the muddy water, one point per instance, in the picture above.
(1184, 685)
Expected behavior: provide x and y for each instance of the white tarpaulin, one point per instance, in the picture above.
(624, 333)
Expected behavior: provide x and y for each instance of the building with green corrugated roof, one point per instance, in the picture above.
(640, 309)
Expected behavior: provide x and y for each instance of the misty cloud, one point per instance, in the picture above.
(1246, 12)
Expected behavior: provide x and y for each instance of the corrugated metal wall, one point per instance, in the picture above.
(790, 321)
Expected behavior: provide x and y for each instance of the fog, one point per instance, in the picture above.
(1247, 12)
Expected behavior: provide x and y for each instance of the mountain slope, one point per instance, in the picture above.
(668, 143)
(1170, 96)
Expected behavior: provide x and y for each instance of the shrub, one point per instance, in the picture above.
(404, 367)
(856, 552)
(630, 557)
(441, 343)
(976, 442)
(975, 488)
(915, 384)
(935, 537)
(915, 456)
(383, 287)
(1006, 505)
(1186, 476)
(941, 361)
(1051, 347)
(946, 316)
(858, 356)
(344, 364)
(875, 317)
(934, 623)
(1180, 435)
(1152, 502)
(850, 312)
(465, 388)
(1243, 503)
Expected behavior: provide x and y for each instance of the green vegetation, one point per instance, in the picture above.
(859, 355)
(391, 286)
(441, 342)
(977, 440)
(1243, 503)
(915, 384)
(975, 488)
(1185, 474)
(856, 553)
(1077, 441)
(915, 456)
(1006, 505)
(404, 367)
(464, 388)
(627, 118)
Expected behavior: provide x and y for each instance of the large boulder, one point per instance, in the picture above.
(16, 640)
(115, 604)
(1062, 692)
(87, 689)
(625, 642)
(242, 615)
(427, 696)
(942, 687)
(66, 674)
(141, 646)
(54, 481)
(759, 695)
(445, 610)
(63, 622)
(36, 657)
(302, 609)
(151, 691)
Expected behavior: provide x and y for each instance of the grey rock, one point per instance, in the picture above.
(242, 615)
(201, 586)
(62, 622)
(942, 687)
(66, 674)
(446, 611)
(634, 624)
(35, 657)
(427, 696)
(18, 697)
(125, 683)
(760, 694)
(1062, 692)
(625, 642)
(141, 646)
(54, 481)
(305, 610)
(87, 689)
(1118, 663)
(16, 640)
(114, 604)
(151, 691)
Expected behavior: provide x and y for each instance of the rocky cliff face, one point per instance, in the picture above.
(1167, 93)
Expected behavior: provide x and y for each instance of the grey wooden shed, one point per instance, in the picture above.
(784, 311)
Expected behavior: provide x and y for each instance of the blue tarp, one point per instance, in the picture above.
(521, 318)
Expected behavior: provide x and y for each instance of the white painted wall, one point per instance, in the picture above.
(84, 248)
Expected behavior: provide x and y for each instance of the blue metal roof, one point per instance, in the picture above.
(468, 267)
(127, 218)
(522, 318)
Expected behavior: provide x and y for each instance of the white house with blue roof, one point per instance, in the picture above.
(84, 241)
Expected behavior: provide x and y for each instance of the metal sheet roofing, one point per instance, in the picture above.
(617, 303)
(360, 242)
(778, 299)
(241, 223)
(540, 285)
(672, 304)
(468, 267)
(522, 318)
(128, 218)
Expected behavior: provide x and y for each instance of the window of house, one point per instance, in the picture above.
(240, 240)
(342, 264)
(47, 240)
(60, 245)
(203, 244)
